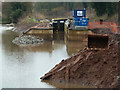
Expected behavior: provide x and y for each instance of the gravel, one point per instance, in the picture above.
(28, 40)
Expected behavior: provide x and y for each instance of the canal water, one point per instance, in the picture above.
(22, 67)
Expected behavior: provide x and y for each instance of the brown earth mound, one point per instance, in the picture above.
(92, 68)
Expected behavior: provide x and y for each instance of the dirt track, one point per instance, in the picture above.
(92, 68)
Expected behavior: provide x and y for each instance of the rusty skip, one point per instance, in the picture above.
(98, 41)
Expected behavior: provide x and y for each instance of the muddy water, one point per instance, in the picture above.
(22, 67)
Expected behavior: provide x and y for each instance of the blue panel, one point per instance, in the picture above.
(76, 22)
(81, 21)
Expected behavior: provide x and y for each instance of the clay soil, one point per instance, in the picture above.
(96, 68)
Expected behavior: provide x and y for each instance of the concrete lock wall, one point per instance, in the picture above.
(45, 34)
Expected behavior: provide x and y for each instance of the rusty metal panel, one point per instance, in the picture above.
(97, 41)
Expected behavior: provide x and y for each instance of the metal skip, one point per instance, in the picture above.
(98, 41)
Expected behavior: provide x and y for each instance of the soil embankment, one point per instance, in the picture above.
(88, 67)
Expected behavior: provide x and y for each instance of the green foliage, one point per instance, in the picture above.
(102, 8)
(111, 8)
(57, 9)
(52, 5)
(15, 15)
(5, 20)
(13, 10)
(119, 13)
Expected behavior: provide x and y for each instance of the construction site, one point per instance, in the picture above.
(97, 64)
(65, 51)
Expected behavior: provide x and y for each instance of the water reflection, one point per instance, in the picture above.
(7, 37)
(66, 85)
(23, 66)
(74, 46)
(60, 40)
(75, 42)
(44, 47)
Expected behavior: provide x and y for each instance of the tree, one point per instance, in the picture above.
(100, 8)
(111, 8)
(13, 10)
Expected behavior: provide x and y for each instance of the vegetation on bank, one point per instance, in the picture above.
(14, 11)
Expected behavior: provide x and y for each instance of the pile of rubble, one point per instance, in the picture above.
(28, 40)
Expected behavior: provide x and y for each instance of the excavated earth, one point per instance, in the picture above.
(96, 68)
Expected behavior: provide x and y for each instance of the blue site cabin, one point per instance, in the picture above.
(80, 18)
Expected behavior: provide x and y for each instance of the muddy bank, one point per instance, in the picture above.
(92, 68)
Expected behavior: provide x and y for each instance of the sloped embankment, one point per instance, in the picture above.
(92, 68)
